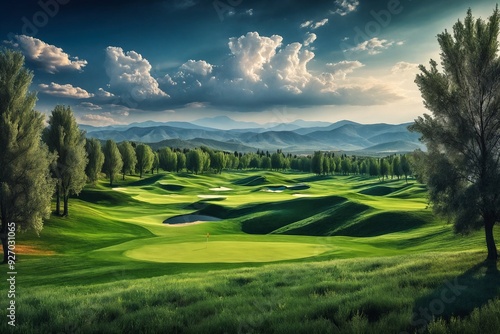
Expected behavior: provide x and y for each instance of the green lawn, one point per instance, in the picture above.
(349, 253)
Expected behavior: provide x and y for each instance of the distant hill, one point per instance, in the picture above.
(399, 146)
(340, 136)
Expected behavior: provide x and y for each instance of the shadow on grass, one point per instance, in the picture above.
(459, 296)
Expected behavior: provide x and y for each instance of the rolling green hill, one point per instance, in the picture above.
(345, 253)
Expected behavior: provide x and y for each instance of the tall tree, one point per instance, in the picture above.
(113, 162)
(155, 164)
(405, 167)
(181, 161)
(128, 157)
(65, 138)
(317, 163)
(26, 186)
(145, 158)
(96, 159)
(168, 159)
(462, 135)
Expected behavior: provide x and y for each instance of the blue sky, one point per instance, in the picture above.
(118, 62)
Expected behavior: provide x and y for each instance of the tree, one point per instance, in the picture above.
(26, 186)
(219, 161)
(181, 161)
(65, 138)
(405, 167)
(193, 161)
(396, 167)
(168, 160)
(95, 159)
(128, 157)
(145, 158)
(155, 164)
(113, 162)
(317, 163)
(462, 168)
(385, 168)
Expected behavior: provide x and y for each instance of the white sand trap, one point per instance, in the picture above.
(220, 189)
(212, 197)
(302, 195)
(273, 191)
(184, 220)
(118, 189)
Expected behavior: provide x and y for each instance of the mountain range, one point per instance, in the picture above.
(294, 137)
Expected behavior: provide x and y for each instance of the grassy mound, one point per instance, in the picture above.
(251, 181)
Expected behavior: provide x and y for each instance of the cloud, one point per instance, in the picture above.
(261, 73)
(345, 7)
(90, 106)
(66, 90)
(310, 38)
(373, 46)
(342, 68)
(314, 25)
(200, 67)
(95, 119)
(102, 93)
(319, 24)
(130, 76)
(249, 12)
(306, 24)
(49, 57)
(403, 66)
(252, 51)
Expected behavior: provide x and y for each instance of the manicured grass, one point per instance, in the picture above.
(354, 254)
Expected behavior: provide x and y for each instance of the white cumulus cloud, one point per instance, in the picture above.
(129, 73)
(66, 90)
(252, 51)
(310, 38)
(49, 57)
(345, 7)
(319, 24)
(373, 46)
(102, 93)
(200, 67)
(90, 106)
(344, 67)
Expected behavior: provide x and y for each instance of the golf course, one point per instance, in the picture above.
(251, 252)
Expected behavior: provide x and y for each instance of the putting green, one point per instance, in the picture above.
(225, 251)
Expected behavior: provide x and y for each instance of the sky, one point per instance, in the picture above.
(118, 62)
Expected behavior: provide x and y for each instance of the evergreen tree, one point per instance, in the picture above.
(462, 168)
(145, 158)
(65, 138)
(26, 186)
(129, 158)
(113, 162)
(95, 159)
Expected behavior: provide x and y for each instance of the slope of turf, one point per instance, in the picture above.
(274, 263)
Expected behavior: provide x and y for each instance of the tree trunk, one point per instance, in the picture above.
(66, 200)
(5, 246)
(490, 241)
(123, 177)
(58, 198)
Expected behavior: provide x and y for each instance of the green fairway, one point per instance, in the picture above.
(322, 253)
(224, 251)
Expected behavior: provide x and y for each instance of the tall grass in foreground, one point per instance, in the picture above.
(382, 295)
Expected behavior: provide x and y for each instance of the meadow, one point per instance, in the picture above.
(285, 253)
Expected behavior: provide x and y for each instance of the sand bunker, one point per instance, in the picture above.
(302, 195)
(279, 189)
(119, 189)
(189, 220)
(220, 189)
